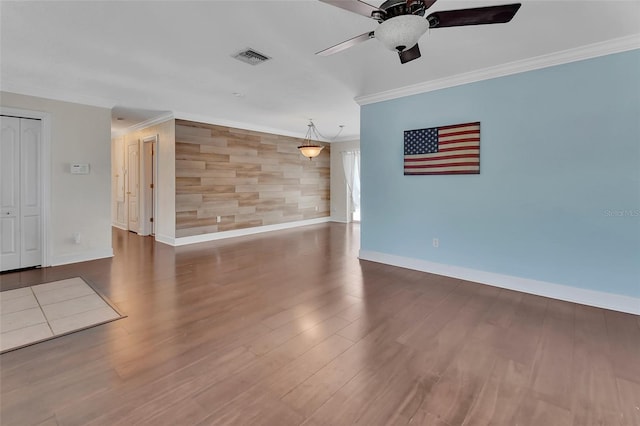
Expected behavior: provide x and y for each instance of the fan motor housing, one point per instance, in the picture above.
(393, 8)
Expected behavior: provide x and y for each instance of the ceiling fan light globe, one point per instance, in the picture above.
(403, 30)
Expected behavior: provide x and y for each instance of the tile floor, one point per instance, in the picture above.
(39, 312)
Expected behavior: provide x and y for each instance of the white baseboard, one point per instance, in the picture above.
(615, 302)
(84, 256)
(339, 220)
(120, 226)
(181, 241)
(165, 239)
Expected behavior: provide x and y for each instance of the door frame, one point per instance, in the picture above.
(147, 228)
(119, 158)
(128, 184)
(45, 175)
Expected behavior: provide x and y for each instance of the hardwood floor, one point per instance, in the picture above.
(290, 328)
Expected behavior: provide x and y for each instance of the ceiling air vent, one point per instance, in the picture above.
(251, 56)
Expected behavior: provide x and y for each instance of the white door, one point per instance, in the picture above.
(20, 193)
(133, 179)
(148, 190)
(10, 193)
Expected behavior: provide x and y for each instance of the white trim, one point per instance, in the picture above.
(164, 239)
(56, 94)
(337, 220)
(616, 302)
(45, 175)
(119, 226)
(239, 232)
(143, 125)
(594, 50)
(254, 127)
(84, 256)
(238, 124)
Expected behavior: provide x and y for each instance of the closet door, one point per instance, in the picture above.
(30, 193)
(20, 193)
(9, 193)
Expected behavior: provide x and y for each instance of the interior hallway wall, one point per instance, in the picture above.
(165, 151)
(230, 179)
(80, 204)
(556, 206)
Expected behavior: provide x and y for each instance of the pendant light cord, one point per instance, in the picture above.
(317, 132)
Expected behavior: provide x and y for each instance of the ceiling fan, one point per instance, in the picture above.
(402, 22)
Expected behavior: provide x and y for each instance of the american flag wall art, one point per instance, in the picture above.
(443, 150)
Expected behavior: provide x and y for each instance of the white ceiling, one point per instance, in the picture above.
(149, 57)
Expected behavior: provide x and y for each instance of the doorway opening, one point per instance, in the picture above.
(148, 182)
(351, 165)
(133, 208)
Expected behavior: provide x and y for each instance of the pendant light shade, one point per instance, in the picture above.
(309, 148)
(310, 151)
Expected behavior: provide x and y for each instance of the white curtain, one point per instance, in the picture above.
(351, 164)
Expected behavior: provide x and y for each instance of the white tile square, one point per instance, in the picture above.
(18, 304)
(22, 336)
(21, 319)
(56, 285)
(83, 319)
(14, 294)
(75, 306)
(64, 293)
(36, 313)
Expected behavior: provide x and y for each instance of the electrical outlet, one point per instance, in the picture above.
(218, 219)
(436, 242)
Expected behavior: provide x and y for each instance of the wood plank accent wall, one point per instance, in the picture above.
(247, 178)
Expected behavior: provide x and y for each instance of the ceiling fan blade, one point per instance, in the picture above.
(474, 16)
(428, 3)
(346, 44)
(408, 55)
(355, 6)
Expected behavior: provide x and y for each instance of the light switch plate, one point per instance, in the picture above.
(79, 169)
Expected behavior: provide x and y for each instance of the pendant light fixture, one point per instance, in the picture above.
(310, 147)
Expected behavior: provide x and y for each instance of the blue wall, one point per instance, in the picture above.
(558, 194)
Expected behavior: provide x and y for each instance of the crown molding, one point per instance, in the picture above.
(198, 118)
(594, 50)
(144, 124)
(236, 124)
(55, 94)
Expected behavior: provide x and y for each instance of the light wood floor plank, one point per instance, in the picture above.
(552, 372)
(624, 345)
(595, 393)
(247, 331)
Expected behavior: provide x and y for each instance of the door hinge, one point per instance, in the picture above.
(151, 186)
(151, 220)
